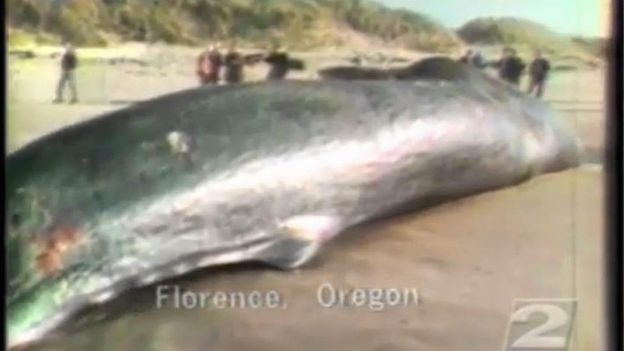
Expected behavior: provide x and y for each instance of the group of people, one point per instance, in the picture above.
(209, 67)
(211, 62)
(510, 68)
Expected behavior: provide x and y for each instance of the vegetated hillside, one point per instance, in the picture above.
(296, 23)
(596, 46)
(520, 33)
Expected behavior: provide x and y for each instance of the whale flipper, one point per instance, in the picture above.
(302, 237)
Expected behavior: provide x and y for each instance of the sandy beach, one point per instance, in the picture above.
(468, 259)
(578, 95)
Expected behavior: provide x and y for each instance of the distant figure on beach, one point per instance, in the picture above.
(510, 66)
(477, 60)
(467, 58)
(209, 66)
(69, 62)
(474, 58)
(538, 74)
(356, 60)
(278, 61)
(234, 63)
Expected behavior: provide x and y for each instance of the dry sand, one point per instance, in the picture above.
(468, 259)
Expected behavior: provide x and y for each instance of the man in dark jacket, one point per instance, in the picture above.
(278, 61)
(510, 66)
(538, 73)
(234, 63)
(69, 62)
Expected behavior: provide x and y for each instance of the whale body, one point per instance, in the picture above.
(264, 172)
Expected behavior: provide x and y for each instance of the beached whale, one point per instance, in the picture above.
(437, 67)
(255, 172)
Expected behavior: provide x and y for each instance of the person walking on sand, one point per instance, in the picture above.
(538, 73)
(69, 63)
(209, 65)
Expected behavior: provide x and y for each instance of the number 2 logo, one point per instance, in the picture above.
(540, 324)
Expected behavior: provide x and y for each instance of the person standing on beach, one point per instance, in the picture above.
(209, 66)
(234, 63)
(278, 61)
(510, 66)
(69, 63)
(538, 73)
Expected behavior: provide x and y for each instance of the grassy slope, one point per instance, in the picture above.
(526, 36)
(296, 23)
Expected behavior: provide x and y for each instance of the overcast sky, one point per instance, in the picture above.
(580, 17)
